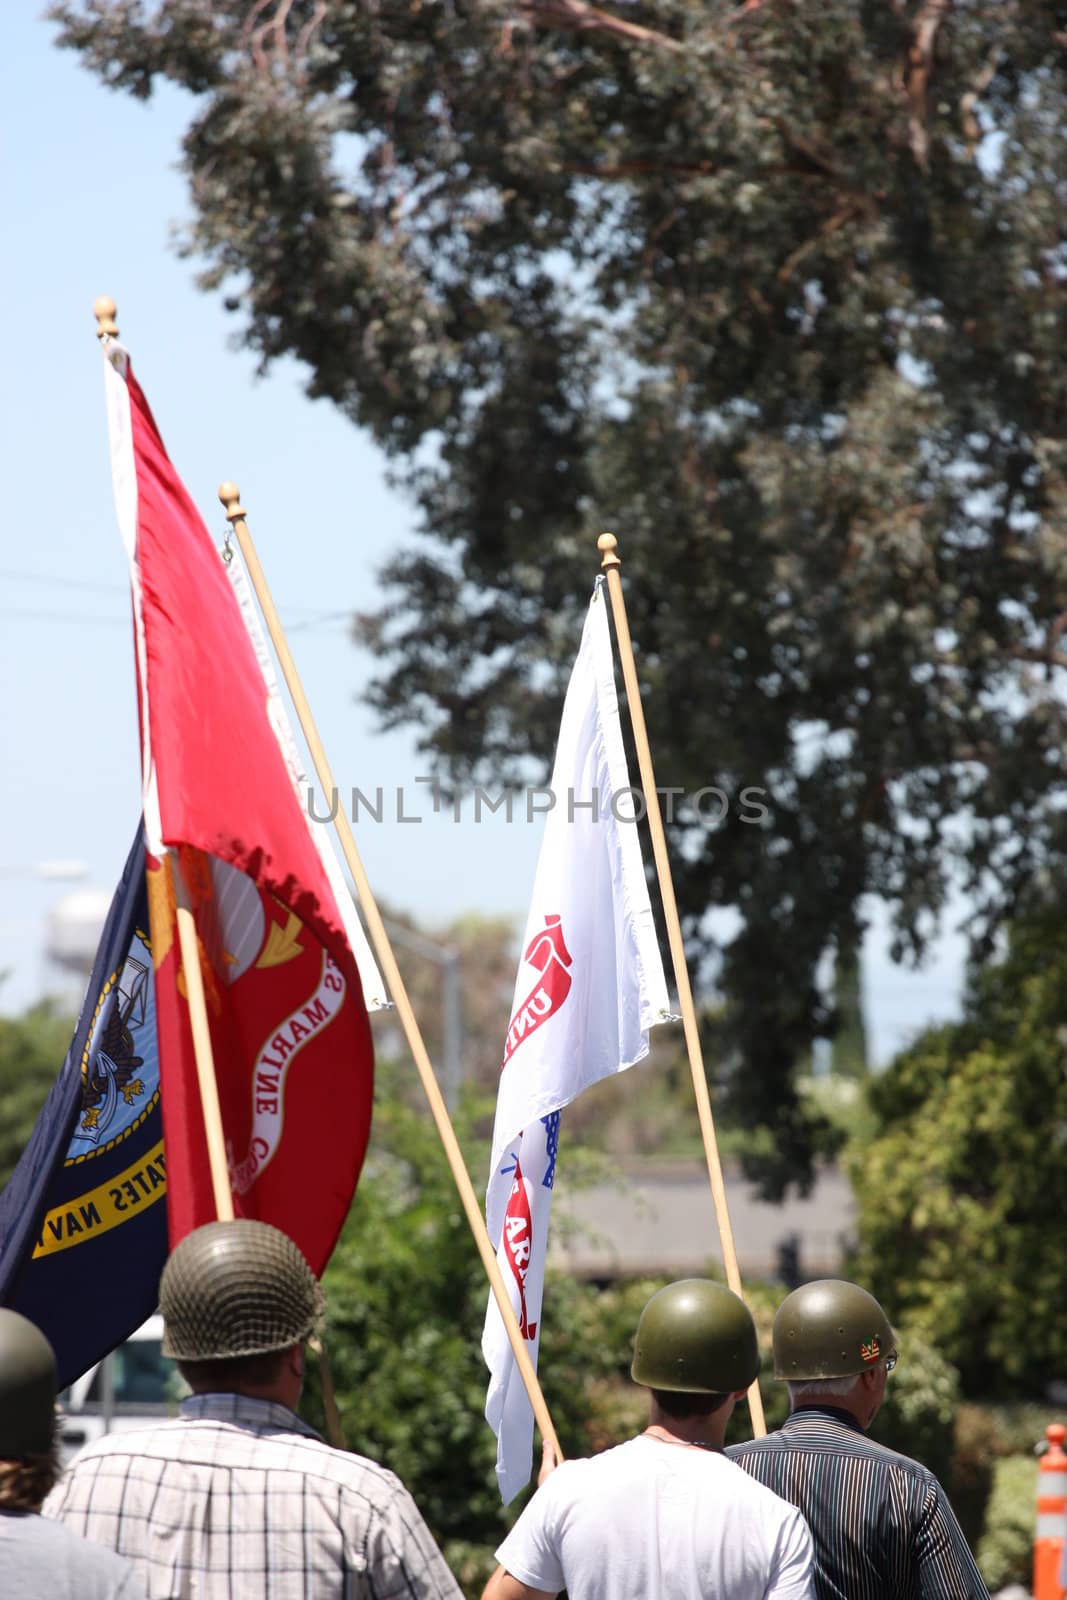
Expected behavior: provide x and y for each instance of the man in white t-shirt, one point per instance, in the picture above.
(666, 1516)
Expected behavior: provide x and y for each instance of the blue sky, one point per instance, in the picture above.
(92, 197)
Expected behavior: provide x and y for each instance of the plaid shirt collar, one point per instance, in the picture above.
(245, 1411)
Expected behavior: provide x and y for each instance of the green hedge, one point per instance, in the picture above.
(1006, 1549)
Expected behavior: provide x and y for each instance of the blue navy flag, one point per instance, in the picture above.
(83, 1223)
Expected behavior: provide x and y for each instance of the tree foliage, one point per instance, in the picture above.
(33, 1047)
(1006, 1549)
(774, 290)
(485, 950)
(961, 1232)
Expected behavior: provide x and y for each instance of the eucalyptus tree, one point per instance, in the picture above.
(773, 290)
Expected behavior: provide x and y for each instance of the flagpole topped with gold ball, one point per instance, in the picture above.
(104, 310)
(607, 544)
(230, 496)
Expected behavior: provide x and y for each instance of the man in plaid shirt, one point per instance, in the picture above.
(237, 1497)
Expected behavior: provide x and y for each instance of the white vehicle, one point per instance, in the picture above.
(132, 1387)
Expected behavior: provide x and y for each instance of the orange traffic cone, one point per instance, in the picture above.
(1051, 1516)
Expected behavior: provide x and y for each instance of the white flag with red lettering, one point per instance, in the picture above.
(589, 987)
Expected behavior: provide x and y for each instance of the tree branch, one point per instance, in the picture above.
(972, 130)
(917, 73)
(641, 167)
(809, 151)
(847, 213)
(310, 28)
(1043, 656)
(579, 17)
(273, 28)
(272, 33)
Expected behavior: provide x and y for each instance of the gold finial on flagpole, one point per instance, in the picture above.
(607, 545)
(230, 495)
(104, 310)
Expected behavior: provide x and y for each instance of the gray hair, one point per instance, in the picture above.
(822, 1386)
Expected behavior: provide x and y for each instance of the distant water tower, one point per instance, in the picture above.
(73, 930)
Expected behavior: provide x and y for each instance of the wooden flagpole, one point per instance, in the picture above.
(104, 311)
(189, 947)
(334, 1429)
(610, 562)
(230, 496)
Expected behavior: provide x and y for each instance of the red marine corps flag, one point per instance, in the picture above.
(285, 1009)
(590, 985)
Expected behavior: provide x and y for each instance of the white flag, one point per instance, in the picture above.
(374, 995)
(589, 987)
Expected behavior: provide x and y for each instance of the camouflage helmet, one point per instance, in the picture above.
(829, 1329)
(27, 1389)
(695, 1337)
(233, 1289)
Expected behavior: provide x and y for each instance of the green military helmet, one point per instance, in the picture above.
(695, 1337)
(238, 1288)
(27, 1389)
(829, 1329)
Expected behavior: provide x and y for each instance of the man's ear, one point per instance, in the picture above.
(296, 1360)
(869, 1378)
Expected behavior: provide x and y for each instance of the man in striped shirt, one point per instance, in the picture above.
(882, 1526)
